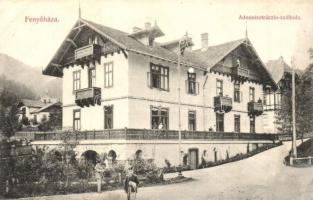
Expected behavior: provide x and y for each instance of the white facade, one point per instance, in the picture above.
(132, 98)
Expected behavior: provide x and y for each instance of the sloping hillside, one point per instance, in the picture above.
(31, 77)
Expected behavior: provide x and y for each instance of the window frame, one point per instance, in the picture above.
(251, 94)
(222, 119)
(194, 119)
(192, 81)
(219, 87)
(76, 80)
(159, 116)
(92, 77)
(237, 124)
(76, 119)
(237, 96)
(252, 123)
(162, 75)
(110, 115)
(108, 73)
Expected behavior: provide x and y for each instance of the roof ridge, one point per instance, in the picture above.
(108, 27)
(222, 44)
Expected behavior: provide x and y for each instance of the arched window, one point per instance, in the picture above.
(138, 154)
(91, 156)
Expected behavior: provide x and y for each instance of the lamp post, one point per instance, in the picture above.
(183, 43)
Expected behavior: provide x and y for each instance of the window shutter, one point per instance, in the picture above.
(197, 89)
(241, 96)
(148, 80)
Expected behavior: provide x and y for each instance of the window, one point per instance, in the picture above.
(76, 80)
(159, 118)
(108, 117)
(251, 94)
(252, 124)
(159, 77)
(108, 74)
(92, 77)
(237, 91)
(237, 123)
(192, 84)
(219, 122)
(219, 87)
(278, 100)
(192, 120)
(76, 120)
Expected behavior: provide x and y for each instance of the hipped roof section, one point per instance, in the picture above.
(278, 68)
(202, 60)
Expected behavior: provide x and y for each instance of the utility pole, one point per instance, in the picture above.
(179, 104)
(294, 134)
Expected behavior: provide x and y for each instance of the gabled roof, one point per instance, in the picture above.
(119, 38)
(44, 108)
(203, 60)
(216, 53)
(32, 103)
(278, 68)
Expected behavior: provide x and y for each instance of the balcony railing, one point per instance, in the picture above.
(223, 104)
(255, 108)
(151, 134)
(91, 51)
(240, 72)
(88, 96)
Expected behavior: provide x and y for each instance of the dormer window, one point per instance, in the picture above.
(147, 34)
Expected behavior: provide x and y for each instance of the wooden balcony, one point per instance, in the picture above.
(88, 96)
(223, 104)
(150, 134)
(239, 72)
(255, 108)
(89, 52)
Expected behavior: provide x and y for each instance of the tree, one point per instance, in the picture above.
(284, 115)
(304, 102)
(8, 113)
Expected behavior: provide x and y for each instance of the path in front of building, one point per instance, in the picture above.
(261, 177)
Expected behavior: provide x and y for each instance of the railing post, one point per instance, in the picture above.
(310, 161)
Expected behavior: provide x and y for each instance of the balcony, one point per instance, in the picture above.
(255, 108)
(88, 96)
(223, 104)
(150, 134)
(239, 72)
(89, 52)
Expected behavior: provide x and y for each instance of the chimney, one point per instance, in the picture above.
(147, 25)
(204, 41)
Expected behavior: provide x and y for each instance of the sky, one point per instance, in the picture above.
(36, 43)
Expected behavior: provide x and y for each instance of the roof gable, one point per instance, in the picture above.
(278, 68)
(121, 39)
(46, 107)
(203, 60)
(31, 103)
